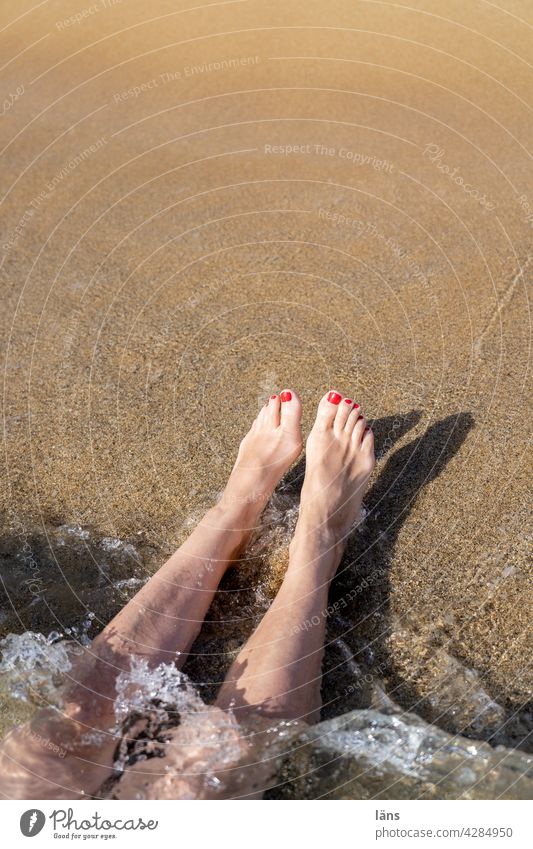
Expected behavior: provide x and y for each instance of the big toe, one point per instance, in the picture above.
(291, 411)
(328, 409)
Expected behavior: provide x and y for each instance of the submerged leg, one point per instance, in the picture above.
(277, 675)
(165, 617)
(278, 671)
(160, 623)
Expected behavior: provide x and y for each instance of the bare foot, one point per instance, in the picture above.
(339, 462)
(267, 451)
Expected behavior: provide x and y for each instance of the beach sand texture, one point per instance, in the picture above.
(204, 204)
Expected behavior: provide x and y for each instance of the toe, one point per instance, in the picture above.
(368, 440)
(345, 408)
(354, 414)
(367, 448)
(328, 409)
(291, 410)
(359, 429)
(273, 410)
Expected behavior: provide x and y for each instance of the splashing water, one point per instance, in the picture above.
(368, 755)
(143, 688)
(33, 667)
(172, 744)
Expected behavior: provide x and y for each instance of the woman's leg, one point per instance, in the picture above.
(160, 623)
(278, 671)
(277, 674)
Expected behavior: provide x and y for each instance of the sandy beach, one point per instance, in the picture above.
(201, 206)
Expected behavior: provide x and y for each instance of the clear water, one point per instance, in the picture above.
(369, 745)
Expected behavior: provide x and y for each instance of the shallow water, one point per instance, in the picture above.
(183, 271)
(370, 755)
(65, 583)
(173, 745)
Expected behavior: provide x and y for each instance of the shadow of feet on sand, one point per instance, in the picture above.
(247, 589)
(359, 669)
(76, 574)
(361, 633)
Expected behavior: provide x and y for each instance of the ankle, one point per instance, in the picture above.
(235, 515)
(319, 528)
(316, 544)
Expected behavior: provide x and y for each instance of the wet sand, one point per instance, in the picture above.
(279, 203)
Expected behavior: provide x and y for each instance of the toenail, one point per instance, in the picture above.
(273, 397)
(286, 396)
(348, 401)
(356, 406)
(334, 398)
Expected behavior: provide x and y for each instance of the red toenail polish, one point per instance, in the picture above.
(356, 406)
(273, 397)
(286, 396)
(348, 401)
(334, 398)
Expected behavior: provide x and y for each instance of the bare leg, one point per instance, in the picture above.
(160, 623)
(278, 671)
(277, 674)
